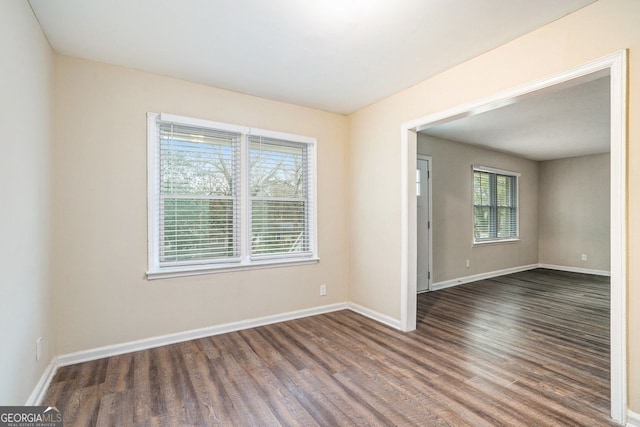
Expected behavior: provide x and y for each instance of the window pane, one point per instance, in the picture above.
(195, 229)
(505, 190)
(506, 223)
(276, 170)
(482, 228)
(198, 196)
(278, 226)
(193, 163)
(279, 205)
(481, 188)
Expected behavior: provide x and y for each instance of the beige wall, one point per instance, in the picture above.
(375, 146)
(100, 240)
(574, 212)
(452, 210)
(26, 86)
(99, 221)
(564, 211)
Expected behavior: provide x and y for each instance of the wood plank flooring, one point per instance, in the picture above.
(527, 349)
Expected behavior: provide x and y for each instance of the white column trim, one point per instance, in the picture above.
(616, 65)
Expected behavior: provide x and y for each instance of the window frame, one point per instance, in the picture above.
(495, 172)
(245, 262)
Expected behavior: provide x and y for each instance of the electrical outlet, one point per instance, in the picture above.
(467, 264)
(584, 257)
(38, 349)
(323, 290)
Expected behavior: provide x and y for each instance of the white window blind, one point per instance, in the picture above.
(224, 197)
(198, 203)
(495, 204)
(279, 186)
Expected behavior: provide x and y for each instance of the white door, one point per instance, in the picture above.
(423, 175)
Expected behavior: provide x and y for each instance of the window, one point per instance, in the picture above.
(495, 205)
(279, 202)
(224, 197)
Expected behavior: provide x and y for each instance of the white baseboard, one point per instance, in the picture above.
(40, 389)
(633, 418)
(575, 269)
(143, 344)
(43, 384)
(113, 350)
(378, 317)
(468, 279)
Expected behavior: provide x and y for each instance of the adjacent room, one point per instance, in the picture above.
(522, 209)
(212, 213)
(522, 184)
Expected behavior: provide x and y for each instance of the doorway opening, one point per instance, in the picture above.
(423, 225)
(615, 66)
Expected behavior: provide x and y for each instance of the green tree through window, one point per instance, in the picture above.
(198, 194)
(225, 197)
(278, 181)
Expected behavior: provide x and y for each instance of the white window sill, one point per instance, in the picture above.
(192, 270)
(495, 242)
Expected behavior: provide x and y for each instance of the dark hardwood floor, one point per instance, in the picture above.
(527, 349)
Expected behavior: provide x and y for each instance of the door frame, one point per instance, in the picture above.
(429, 161)
(616, 65)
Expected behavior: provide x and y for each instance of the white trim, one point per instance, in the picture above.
(496, 241)
(195, 270)
(43, 384)
(481, 276)
(378, 317)
(40, 389)
(408, 240)
(201, 123)
(230, 127)
(147, 343)
(616, 65)
(152, 191)
(497, 171)
(633, 418)
(281, 136)
(244, 228)
(312, 197)
(489, 274)
(575, 269)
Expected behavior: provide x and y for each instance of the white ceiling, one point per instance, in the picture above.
(555, 123)
(335, 55)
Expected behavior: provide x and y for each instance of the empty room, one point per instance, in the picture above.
(414, 212)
